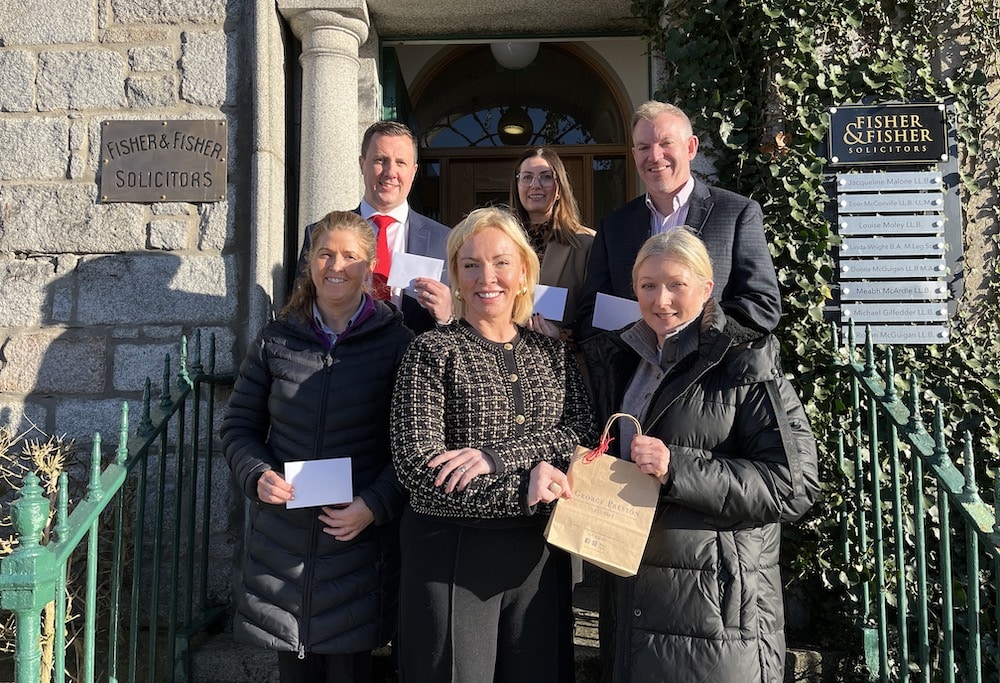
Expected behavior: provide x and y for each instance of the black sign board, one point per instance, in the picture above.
(887, 134)
(163, 161)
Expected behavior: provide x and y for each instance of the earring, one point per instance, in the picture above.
(457, 294)
(524, 290)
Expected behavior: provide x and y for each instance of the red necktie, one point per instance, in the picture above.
(383, 256)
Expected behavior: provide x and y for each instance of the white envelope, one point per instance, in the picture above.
(550, 302)
(614, 312)
(326, 481)
(405, 267)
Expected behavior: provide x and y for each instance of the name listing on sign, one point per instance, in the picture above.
(894, 246)
(893, 291)
(900, 334)
(899, 201)
(898, 180)
(892, 268)
(891, 312)
(875, 225)
(155, 161)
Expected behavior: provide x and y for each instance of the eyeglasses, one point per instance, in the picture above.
(544, 179)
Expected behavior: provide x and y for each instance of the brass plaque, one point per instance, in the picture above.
(163, 161)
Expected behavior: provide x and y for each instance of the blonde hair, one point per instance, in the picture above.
(506, 222)
(304, 294)
(651, 109)
(681, 245)
(565, 219)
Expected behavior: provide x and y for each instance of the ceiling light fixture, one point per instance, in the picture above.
(515, 54)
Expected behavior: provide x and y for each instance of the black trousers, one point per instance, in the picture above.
(481, 605)
(318, 668)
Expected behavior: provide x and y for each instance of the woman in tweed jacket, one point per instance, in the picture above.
(485, 416)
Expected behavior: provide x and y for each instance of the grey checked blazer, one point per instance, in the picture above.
(731, 227)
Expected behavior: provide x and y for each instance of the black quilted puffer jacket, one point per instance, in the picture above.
(296, 399)
(706, 604)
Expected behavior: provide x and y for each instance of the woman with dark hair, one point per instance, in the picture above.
(542, 198)
(320, 584)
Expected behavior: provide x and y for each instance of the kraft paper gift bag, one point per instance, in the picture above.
(607, 520)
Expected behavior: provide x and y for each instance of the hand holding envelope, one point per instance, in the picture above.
(408, 267)
(327, 481)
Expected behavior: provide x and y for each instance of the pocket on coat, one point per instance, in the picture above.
(727, 577)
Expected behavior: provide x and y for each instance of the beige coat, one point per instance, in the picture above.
(566, 266)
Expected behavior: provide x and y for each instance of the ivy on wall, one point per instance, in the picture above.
(757, 77)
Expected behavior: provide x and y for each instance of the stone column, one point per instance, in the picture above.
(331, 33)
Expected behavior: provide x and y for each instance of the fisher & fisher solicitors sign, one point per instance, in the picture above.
(160, 161)
(888, 134)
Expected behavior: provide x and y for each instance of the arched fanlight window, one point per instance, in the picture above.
(555, 100)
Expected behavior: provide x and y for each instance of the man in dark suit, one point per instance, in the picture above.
(388, 165)
(731, 226)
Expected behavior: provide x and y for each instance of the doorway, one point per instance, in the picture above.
(460, 103)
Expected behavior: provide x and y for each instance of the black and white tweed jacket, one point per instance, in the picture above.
(520, 402)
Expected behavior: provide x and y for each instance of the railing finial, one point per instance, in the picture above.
(940, 449)
(183, 379)
(94, 491)
(869, 352)
(890, 377)
(852, 355)
(916, 420)
(30, 513)
(196, 362)
(165, 390)
(146, 423)
(971, 488)
(121, 453)
(61, 527)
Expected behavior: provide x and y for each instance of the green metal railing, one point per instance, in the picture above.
(153, 552)
(925, 542)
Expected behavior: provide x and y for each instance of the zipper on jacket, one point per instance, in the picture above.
(307, 589)
(313, 531)
(321, 425)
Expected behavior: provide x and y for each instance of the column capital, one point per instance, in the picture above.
(306, 16)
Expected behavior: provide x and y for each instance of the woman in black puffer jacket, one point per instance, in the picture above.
(728, 438)
(320, 585)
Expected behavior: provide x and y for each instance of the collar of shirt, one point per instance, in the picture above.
(397, 231)
(395, 236)
(330, 334)
(660, 223)
(679, 343)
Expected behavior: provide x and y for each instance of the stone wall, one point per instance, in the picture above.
(95, 294)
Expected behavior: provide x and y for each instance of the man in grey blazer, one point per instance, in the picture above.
(388, 164)
(731, 226)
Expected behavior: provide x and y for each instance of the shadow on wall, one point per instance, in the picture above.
(104, 326)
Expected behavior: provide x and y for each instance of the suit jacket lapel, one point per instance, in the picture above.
(699, 207)
(417, 236)
(554, 262)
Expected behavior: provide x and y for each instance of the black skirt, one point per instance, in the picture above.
(481, 604)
